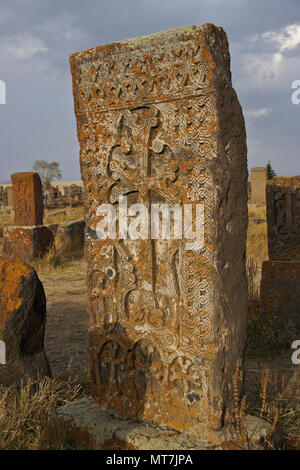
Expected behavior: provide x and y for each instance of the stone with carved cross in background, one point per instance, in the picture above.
(280, 281)
(28, 239)
(28, 198)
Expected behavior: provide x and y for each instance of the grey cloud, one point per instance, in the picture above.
(38, 120)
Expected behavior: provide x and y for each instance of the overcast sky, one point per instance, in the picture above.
(37, 36)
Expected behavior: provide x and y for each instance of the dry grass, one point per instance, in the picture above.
(271, 396)
(51, 216)
(287, 435)
(256, 212)
(257, 240)
(24, 412)
(61, 252)
(241, 412)
(257, 250)
(257, 243)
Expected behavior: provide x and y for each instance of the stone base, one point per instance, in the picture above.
(280, 287)
(84, 420)
(27, 243)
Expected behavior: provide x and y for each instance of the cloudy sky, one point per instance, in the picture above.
(37, 36)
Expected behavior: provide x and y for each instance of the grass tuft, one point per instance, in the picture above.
(25, 409)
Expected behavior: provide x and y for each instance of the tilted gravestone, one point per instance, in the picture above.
(280, 283)
(28, 239)
(159, 122)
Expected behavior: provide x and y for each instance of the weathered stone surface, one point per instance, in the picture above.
(82, 419)
(159, 121)
(72, 231)
(283, 217)
(28, 198)
(27, 243)
(258, 181)
(280, 287)
(22, 322)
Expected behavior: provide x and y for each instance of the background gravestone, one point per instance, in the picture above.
(28, 198)
(283, 218)
(10, 197)
(280, 283)
(29, 239)
(258, 181)
(159, 121)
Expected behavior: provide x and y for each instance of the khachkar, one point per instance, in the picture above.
(280, 282)
(159, 122)
(28, 198)
(28, 239)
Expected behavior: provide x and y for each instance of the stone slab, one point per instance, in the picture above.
(72, 231)
(27, 243)
(84, 418)
(283, 217)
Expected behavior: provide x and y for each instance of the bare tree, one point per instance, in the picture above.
(47, 171)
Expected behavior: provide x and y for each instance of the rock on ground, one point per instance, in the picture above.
(22, 322)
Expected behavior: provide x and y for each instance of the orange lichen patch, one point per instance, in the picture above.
(12, 273)
(27, 243)
(286, 181)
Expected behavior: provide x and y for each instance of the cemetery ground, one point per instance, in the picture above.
(272, 382)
